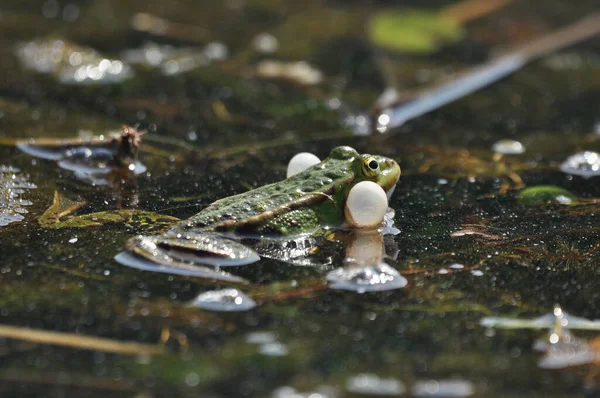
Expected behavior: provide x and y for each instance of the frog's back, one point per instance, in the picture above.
(247, 211)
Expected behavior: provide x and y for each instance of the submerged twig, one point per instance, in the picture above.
(78, 341)
(430, 98)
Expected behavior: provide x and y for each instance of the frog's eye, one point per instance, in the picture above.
(371, 166)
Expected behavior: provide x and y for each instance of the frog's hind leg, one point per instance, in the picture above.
(186, 254)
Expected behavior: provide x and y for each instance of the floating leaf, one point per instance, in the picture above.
(544, 194)
(412, 31)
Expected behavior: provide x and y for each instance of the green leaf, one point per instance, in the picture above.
(412, 31)
(545, 194)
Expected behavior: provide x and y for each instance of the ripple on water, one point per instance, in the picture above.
(585, 164)
(371, 384)
(12, 185)
(228, 300)
(363, 279)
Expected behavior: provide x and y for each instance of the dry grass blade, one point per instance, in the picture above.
(471, 9)
(77, 341)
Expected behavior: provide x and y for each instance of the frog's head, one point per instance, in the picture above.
(383, 171)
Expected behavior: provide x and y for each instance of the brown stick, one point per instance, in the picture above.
(78, 341)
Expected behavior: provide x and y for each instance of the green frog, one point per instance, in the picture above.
(301, 204)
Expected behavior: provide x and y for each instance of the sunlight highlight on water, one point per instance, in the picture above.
(227, 300)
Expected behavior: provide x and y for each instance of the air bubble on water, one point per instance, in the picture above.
(363, 279)
(508, 147)
(585, 164)
(371, 384)
(229, 299)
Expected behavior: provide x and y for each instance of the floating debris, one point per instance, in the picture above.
(172, 60)
(300, 72)
(559, 317)
(547, 194)
(363, 279)
(12, 185)
(585, 164)
(92, 159)
(508, 147)
(70, 63)
(301, 162)
(371, 384)
(224, 300)
(443, 388)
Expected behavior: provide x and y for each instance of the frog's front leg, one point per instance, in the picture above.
(186, 254)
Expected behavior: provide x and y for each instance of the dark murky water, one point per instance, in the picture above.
(222, 121)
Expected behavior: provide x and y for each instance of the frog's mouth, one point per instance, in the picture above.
(390, 192)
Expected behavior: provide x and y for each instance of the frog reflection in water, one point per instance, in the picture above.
(301, 204)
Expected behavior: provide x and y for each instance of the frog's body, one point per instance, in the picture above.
(300, 204)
